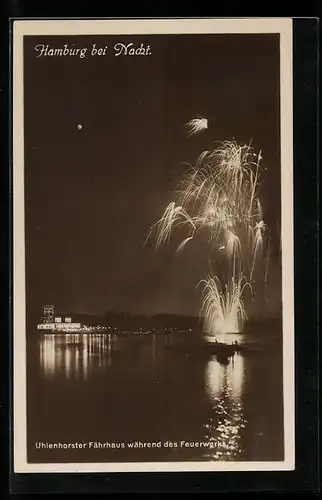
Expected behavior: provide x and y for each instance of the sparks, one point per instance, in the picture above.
(223, 308)
(196, 125)
(218, 194)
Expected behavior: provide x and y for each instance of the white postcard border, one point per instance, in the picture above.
(283, 26)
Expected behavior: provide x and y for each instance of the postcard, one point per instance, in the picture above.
(153, 245)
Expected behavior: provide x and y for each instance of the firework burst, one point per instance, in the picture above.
(219, 195)
(222, 307)
(196, 125)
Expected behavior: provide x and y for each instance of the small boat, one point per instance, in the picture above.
(219, 349)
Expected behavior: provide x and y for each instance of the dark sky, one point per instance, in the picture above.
(92, 194)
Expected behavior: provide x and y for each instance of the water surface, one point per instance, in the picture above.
(155, 397)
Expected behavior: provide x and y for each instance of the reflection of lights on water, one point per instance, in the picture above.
(214, 378)
(224, 384)
(225, 377)
(59, 359)
(235, 374)
(67, 361)
(109, 351)
(77, 361)
(48, 358)
(85, 356)
(73, 354)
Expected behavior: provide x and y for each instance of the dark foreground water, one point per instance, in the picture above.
(118, 397)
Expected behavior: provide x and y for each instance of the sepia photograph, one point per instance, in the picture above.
(153, 245)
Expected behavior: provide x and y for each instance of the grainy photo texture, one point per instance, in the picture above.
(154, 327)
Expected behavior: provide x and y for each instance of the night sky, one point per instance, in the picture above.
(92, 193)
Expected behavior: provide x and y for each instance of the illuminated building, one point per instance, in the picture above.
(53, 323)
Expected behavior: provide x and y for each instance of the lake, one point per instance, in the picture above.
(124, 398)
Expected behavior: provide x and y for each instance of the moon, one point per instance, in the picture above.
(79, 127)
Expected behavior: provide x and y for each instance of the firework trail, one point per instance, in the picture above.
(257, 241)
(219, 195)
(173, 215)
(183, 243)
(196, 126)
(223, 309)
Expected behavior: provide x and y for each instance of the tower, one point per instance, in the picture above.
(48, 314)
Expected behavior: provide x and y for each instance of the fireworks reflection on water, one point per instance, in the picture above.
(224, 385)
